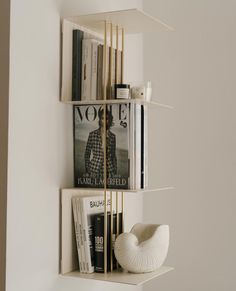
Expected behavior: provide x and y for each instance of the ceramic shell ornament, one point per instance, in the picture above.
(144, 248)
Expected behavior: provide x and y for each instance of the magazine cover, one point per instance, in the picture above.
(89, 146)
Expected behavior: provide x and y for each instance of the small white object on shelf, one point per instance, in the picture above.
(144, 248)
(142, 92)
(148, 91)
(138, 92)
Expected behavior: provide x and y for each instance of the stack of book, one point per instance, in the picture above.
(126, 146)
(87, 67)
(89, 232)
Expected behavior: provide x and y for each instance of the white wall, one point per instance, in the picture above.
(194, 68)
(40, 143)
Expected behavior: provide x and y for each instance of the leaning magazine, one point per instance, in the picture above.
(89, 146)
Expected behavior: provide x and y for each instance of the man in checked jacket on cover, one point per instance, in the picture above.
(94, 154)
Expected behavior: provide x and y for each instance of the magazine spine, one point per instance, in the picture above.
(131, 147)
(138, 146)
(77, 231)
(87, 243)
(146, 146)
(81, 236)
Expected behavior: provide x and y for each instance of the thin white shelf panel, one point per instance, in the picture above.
(122, 277)
(132, 20)
(116, 101)
(121, 190)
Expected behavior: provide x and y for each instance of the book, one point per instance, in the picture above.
(113, 72)
(138, 142)
(90, 206)
(99, 240)
(77, 64)
(145, 138)
(142, 148)
(100, 73)
(107, 72)
(86, 69)
(132, 152)
(77, 232)
(138, 147)
(89, 69)
(110, 88)
(82, 236)
(89, 149)
(94, 71)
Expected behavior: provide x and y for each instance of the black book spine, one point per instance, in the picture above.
(142, 147)
(77, 64)
(99, 244)
(99, 241)
(74, 149)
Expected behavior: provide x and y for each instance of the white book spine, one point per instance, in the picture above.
(77, 231)
(146, 146)
(94, 70)
(138, 146)
(88, 263)
(132, 146)
(82, 236)
(77, 205)
(86, 69)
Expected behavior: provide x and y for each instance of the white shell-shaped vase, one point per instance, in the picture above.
(144, 248)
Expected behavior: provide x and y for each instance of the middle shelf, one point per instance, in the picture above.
(164, 188)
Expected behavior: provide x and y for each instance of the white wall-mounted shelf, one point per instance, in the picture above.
(164, 188)
(122, 277)
(132, 20)
(119, 101)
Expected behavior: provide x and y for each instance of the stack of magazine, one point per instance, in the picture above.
(88, 213)
(87, 67)
(126, 146)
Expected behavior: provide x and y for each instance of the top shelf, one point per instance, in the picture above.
(132, 20)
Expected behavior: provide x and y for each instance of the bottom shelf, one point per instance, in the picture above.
(122, 277)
